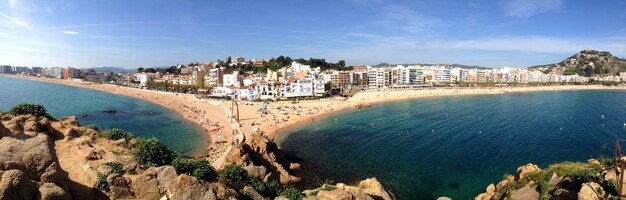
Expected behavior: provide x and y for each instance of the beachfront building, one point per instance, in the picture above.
(230, 79)
(379, 77)
(223, 91)
(247, 93)
(69, 73)
(302, 87)
(441, 76)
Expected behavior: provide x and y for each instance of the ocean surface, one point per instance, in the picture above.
(142, 118)
(456, 146)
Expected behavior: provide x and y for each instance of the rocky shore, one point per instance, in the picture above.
(593, 180)
(59, 159)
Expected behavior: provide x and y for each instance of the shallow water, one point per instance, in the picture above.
(456, 146)
(140, 117)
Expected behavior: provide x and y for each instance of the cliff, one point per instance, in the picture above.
(593, 180)
(59, 159)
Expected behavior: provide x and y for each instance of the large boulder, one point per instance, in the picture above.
(253, 194)
(118, 187)
(590, 191)
(31, 155)
(523, 170)
(525, 193)
(51, 191)
(14, 184)
(372, 187)
(334, 195)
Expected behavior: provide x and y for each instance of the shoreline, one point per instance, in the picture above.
(193, 110)
(284, 116)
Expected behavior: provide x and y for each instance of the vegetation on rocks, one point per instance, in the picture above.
(151, 152)
(292, 194)
(33, 109)
(201, 169)
(234, 176)
(116, 134)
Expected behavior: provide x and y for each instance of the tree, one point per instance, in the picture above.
(328, 85)
(140, 69)
(341, 63)
(33, 109)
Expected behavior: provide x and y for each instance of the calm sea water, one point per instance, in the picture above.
(456, 146)
(140, 117)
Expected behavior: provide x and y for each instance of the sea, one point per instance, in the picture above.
(142, 118)
(456, 146)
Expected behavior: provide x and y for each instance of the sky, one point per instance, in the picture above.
(138, 33)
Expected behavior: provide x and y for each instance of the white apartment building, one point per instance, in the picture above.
(378, 77)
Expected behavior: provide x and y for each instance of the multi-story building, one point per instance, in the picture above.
(441, 75)
(378, 78)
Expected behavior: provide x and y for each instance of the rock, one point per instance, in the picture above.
(372, 187)
(104, 169)
(165, 176)
(491, 189)
(14, 184)
(51, 191)
(610, 174)
(146, 185)
(52, 174)
(593, 162)
(253, 194)
(71, 133)
(118, 187)
(554, 180)
(295, 166)
(30, 155)
(590, 191)
(444, 198)
(256, 171)
(525, 193)
(93, 155)
(334, 195)
(523, 170)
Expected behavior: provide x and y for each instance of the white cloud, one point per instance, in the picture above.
(14, 22)
(528, 8)
(408, 19)
(70, 32)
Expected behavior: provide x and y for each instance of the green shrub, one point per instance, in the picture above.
(92, 126)
(33, 109)
(198, 168)
(102, 183)
(273, 188)
(258, 185)
(150, 152)
(116, 168)
(233, 176)
(292, 194)
(116, 134)
(607, 162)
(612, 185)
(543, 187)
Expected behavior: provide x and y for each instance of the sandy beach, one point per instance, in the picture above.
(213, 115)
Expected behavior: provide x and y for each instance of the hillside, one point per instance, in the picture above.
(586, 63)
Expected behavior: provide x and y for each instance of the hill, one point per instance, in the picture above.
(586, 63)
(113, 69)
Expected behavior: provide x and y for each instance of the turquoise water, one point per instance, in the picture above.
(456, 146)
(140, 117)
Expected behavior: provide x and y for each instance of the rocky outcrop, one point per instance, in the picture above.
(29, 162)
(523, 170)
(366, 189)
(263, 159)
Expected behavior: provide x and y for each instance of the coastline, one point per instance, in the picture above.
(284, 115)
(211, 119)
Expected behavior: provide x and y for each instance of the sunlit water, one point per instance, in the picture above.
(140, 117)
(456, 146)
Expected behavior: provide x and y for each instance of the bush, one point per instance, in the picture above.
(612, 185)
(102, 183)
(201, 169)
(292, 194)
(92, 126)
(258, 185)
(33, 109)
(273, 188)
(116, 134)
(233, 176)
(116, 168)
(150, 152)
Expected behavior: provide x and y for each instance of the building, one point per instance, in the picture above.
(378, 78)
(622, 75)
(71, 73)
(441, 76)
(99, 78)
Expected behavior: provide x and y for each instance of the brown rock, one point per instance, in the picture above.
(253, 194)
(589, 191)
(94, 155)
(118, 187)
(372, 187)
(14, 184)
(256, 171)
(146, 185)
(295, 166)
(334, 195)
(51, 191)
(31, 155)
(523, 170)
(525, 193)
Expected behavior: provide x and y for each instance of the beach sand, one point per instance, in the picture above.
(213, 115)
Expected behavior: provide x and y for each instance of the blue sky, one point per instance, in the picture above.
(136, 33)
